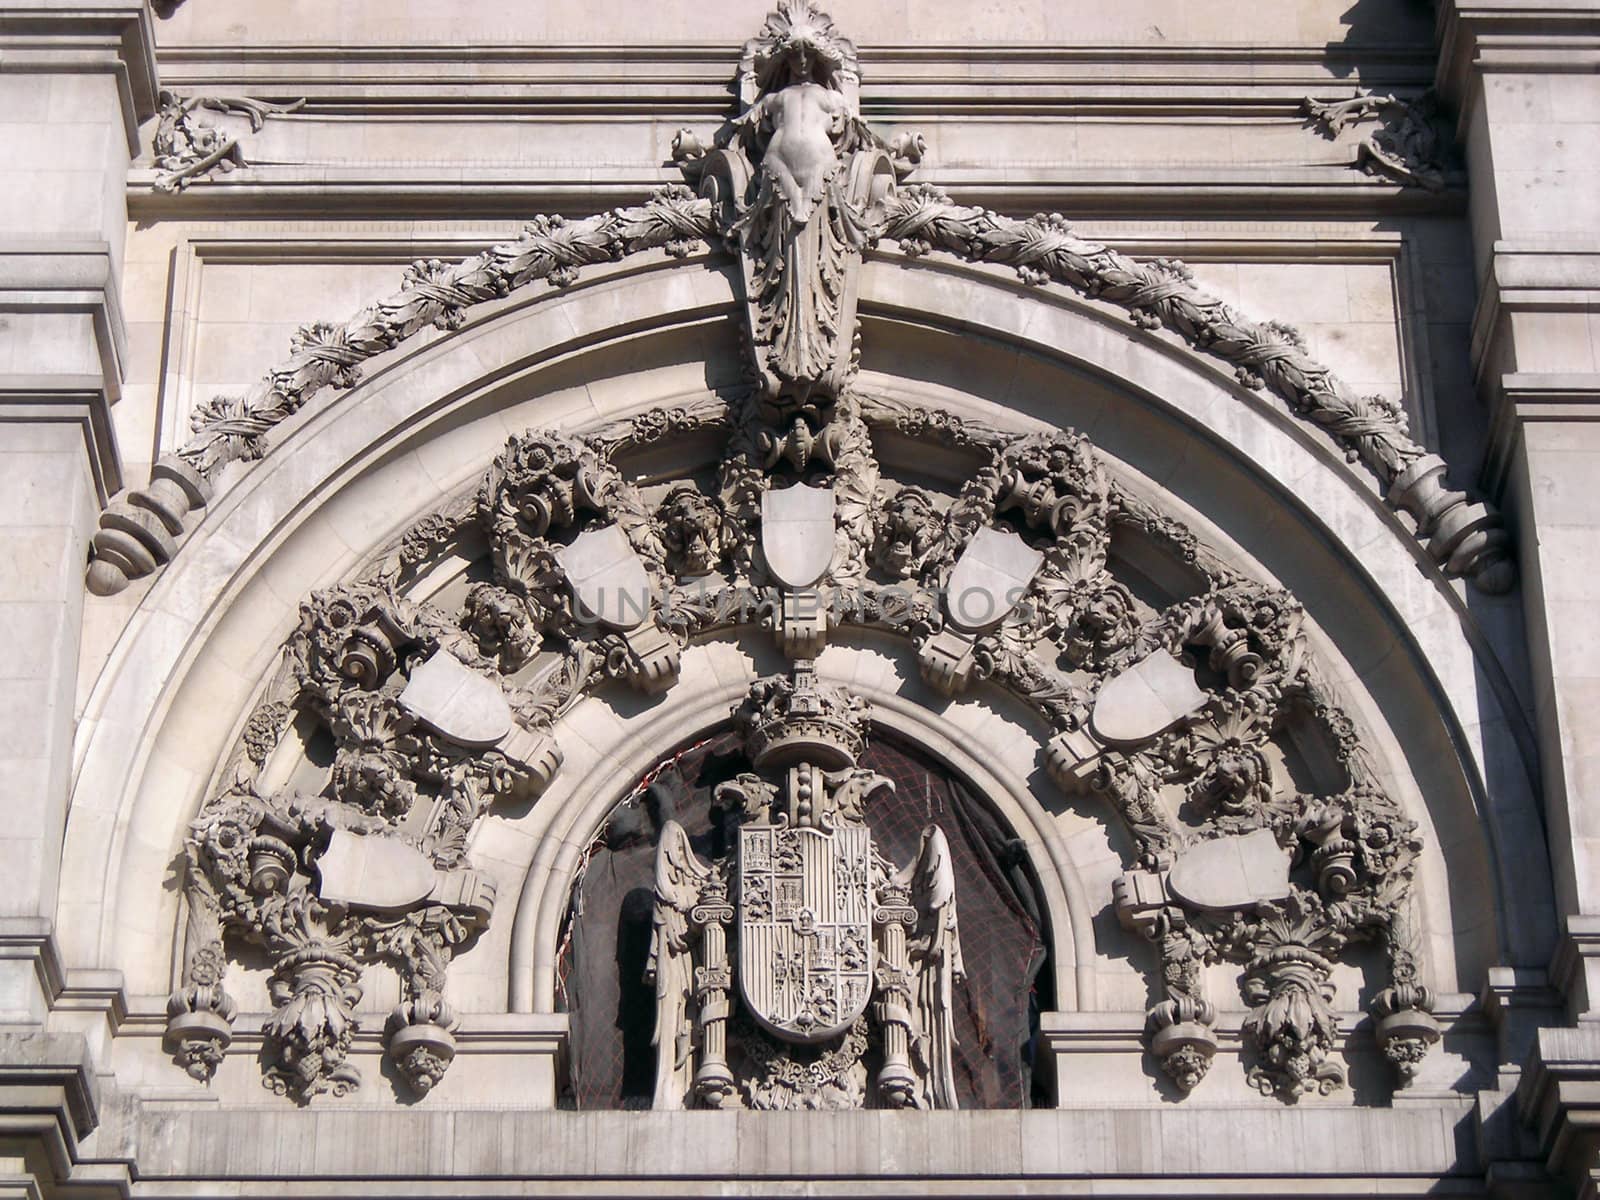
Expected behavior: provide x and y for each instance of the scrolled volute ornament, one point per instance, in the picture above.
(539, 482)
(349, 636)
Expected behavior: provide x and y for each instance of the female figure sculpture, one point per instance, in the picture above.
(802, 233)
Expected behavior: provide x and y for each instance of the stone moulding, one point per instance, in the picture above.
(1465, 537)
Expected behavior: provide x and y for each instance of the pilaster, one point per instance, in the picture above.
(76, 80)
(1523, 78)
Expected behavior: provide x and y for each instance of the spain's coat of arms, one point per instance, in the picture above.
(805, 928)
(773, 964)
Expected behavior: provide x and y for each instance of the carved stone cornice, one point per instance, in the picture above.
(88, 36)
(1513, 36)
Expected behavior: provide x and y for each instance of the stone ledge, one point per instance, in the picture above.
(69, 277)
(487, 191)
(1529, 279)
(1527, 398)
(48, 1073)
(1524, 36)
(1013, 1152)
(1559, 1096)
(71, 399)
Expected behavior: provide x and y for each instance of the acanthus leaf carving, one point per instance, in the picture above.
(1404, 144)
(188, 147)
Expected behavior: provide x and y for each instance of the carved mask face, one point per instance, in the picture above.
(908, 529)
(693, 531)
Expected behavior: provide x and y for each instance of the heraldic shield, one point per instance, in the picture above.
(805, 928)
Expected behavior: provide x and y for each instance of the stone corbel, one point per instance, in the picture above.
(1078, 761)
(1406, 1027)
(200, 1016)
(947, 661)
(801, 623)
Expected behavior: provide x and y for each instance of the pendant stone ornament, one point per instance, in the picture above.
(822, 923)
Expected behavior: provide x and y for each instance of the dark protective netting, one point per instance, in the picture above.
(608, 935)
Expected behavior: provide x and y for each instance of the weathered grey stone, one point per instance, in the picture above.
(989, 579)
(607, 578)
(1231, 872)
(1381, 732)
(372, 871)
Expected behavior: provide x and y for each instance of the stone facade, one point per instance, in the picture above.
(1113, 473)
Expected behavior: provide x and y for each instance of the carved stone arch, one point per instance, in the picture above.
(584, 803)
(408, 405)
(1173, 703)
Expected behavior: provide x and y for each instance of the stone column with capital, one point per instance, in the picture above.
(1523, 80)
(77, 80)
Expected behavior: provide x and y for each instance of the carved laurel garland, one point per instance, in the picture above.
(800, 316)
